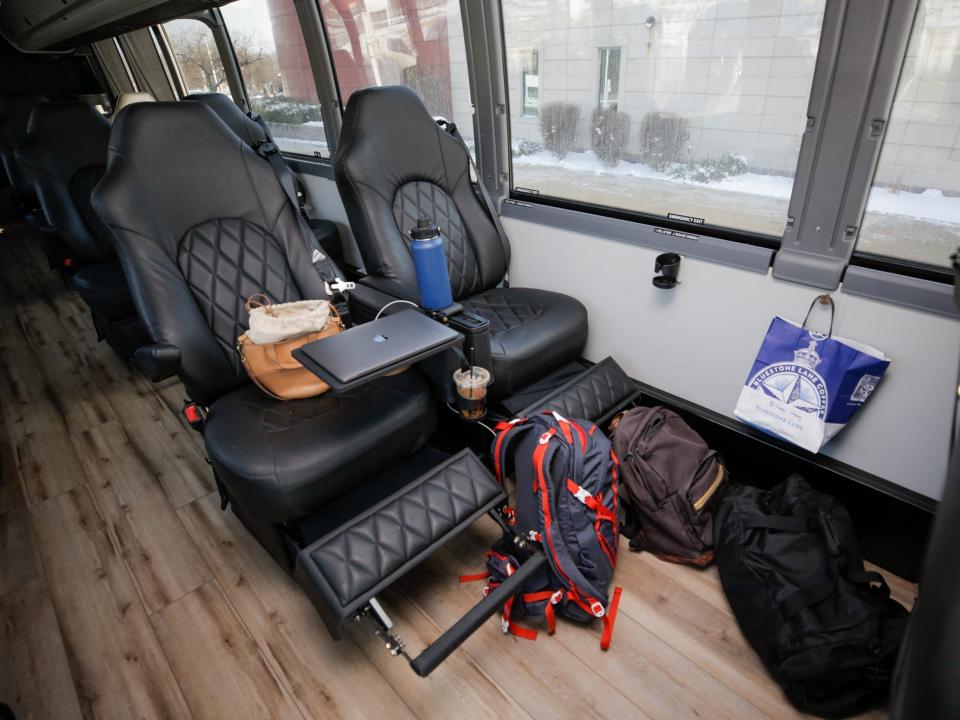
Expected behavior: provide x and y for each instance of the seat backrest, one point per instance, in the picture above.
(236, 119)
(394, 165)
(200, 223)
(127, 99)
(65, 154)
(14, 116)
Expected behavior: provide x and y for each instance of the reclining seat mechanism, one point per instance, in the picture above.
(65, 152)
(343, 489)
(394, 165)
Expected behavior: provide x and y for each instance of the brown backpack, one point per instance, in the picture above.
(669, 484)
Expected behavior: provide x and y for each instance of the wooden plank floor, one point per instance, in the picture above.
(126, 593)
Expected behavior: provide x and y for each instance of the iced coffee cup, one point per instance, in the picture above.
(472, 391)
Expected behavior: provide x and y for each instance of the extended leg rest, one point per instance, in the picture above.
(597, 394)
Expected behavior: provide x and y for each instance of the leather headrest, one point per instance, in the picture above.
(130, 98)
(396, 116)
(15, 112)
(65, 136)
(190, 165)
(75, 118)
(235, 118)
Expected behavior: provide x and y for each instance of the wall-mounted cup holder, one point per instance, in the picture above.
(668, 265)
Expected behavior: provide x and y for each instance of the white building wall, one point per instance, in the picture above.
(738, 70)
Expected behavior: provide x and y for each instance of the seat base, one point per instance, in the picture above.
(343, 570)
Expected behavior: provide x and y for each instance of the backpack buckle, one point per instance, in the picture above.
(597, 609)
(504, 625)
(545, 438)
(582, 495)
(556, 597)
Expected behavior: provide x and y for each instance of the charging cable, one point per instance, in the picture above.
(394, 302)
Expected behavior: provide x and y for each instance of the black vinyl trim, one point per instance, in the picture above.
(901, 267)
(768, 242)
(829, 464)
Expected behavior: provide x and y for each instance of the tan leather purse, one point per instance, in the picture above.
(272, 365)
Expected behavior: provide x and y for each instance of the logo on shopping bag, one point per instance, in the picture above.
(864, 388)
(796, 383)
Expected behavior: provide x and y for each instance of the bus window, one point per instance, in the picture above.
(913, 211)
(197, 57)
(276, 71)
(417, 43)
(687, 110)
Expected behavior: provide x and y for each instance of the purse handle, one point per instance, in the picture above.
(254, 302)
(823, 300)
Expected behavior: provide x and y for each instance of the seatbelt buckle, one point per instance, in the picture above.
(194, 414)
(338, 286)
(266, 148)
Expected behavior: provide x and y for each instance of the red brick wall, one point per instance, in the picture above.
(292, 56)
(353, 69)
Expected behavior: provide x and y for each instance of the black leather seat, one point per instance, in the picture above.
(65, 153)
(395, 164)
(14, 116)
(217, 228)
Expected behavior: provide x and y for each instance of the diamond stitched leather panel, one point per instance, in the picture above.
(424, 199)
(224, 262)
(377, 545)
(591, 395)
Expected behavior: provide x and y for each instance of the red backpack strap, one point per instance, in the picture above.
(610, 618)
(504, 429)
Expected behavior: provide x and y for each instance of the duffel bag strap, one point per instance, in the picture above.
(784, 523)
(792, 604)
(803, 598)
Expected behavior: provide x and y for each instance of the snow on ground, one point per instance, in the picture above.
(931, 205)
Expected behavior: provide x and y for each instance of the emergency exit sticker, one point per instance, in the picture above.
(685, 218)
(676, 233)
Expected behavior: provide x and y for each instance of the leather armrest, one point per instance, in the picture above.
(157, 362)
(372, 294)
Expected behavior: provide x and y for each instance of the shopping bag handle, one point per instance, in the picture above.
(823, 300)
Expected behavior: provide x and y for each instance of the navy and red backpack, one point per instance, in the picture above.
(566, 503)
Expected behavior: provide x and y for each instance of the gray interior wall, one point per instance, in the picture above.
(698, 341)
(324, 202)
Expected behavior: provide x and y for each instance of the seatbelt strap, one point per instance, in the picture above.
(285, 171)
(451, 130)
(334, 285)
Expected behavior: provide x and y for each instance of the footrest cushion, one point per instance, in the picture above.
(595, 395)
(344, 569)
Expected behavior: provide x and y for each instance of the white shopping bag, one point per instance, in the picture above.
(804, 386)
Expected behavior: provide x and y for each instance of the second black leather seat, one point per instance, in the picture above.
(14, 117)
(65, 153)
(395, 164)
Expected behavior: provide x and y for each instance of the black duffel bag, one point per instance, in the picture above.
(826, 629)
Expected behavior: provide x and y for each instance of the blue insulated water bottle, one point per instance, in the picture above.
(431, 264)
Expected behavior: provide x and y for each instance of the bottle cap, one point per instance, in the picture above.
(424, 230)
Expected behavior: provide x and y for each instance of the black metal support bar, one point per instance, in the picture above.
(438, 651)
